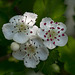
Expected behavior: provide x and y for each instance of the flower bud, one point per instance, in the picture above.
(55, 68)
(14, 46)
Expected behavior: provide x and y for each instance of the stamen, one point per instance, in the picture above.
(26, 61)
(28, 54)
(31, 40)
(58, 35)
(54, 43)
(31, 32)
(34, 54)
(45, 36)
(47, 39)
(14, 26)
(25, 48)
(36, 47)
(58, 39)
(34, 42)
(49, 31)
(29, 22)
(25, 29)
(51, 39)
(12, 31)
(27, 33)
(58, 27)
(36, 60)
(50, 35)
(51, 22)
(58, 31)
(53, 28)
(22, 21)
(28, 27)
(50, 27)
(23, 58)
(46, 33)
(56, 22)
(24, 45)
(25, 19)
(42, 29)
(55, 37)
(62, 29)
(44, 23)
(37, 52)
(63, 35)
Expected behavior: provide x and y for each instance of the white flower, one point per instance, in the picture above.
(52, 33)
(31, 52)
(20, 27)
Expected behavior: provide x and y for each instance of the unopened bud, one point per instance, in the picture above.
(14, 46)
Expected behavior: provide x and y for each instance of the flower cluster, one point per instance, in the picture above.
(52, 33)
(31, 43)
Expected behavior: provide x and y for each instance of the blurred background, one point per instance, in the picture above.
(61, 60)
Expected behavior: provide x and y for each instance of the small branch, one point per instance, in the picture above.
(17, 10)
(5, 57)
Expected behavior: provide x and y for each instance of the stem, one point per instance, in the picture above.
(18, 11)
(5, 57)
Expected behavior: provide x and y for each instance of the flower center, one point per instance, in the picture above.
(21, 28)
(31, 49)
(51, 34)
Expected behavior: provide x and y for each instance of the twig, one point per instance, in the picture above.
(5, 57)
(18, 11)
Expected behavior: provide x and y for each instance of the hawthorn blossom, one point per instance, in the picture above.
(20, 27)
(31, 52)
(53, 33)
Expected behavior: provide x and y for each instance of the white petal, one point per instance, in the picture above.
(62, 40)
(17, 20)
(34, 31)
(41, 34)
(30, 18)
(42, 53)
(7, 31)
(49, 44)
(20, 37)
(62, 27)
(31, 63)
(45, 23)
(36, 41)
(18, 54)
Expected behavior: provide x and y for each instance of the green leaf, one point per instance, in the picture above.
(49, 8)
(16, 73)
(67, 54)
(6, 67)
